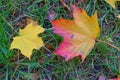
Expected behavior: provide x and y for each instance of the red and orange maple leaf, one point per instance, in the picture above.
(79, 34)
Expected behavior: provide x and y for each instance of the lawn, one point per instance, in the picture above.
(103, 60)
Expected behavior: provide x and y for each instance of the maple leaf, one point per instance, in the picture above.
(112, 2)
(79, 34)
(28, 39)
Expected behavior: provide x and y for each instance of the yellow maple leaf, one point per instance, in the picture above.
(28, 39)
(112, 2)
(79, 34)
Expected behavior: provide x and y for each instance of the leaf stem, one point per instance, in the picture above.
(108, 44)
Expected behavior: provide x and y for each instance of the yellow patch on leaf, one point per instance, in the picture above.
(79, 34)
(112, 2)
(28, 39)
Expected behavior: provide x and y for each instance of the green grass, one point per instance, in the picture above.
(44, 65)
